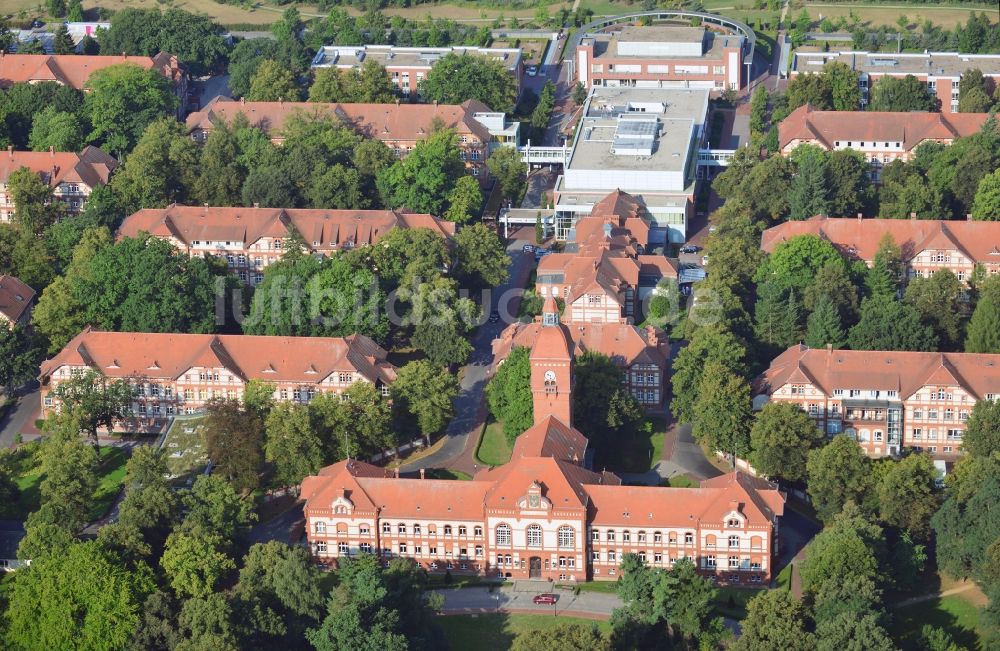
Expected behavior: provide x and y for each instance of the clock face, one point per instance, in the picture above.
(550, 376)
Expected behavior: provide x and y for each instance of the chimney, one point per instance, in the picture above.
(913, 215)
(395, 472)
(256, 205)
(651, 336)
(734, 505)
(52, 150)
(397, 102)
(421, 473)
(829, 349)
(10, 151)
(859, 216)
(968, 216)
(243, 100)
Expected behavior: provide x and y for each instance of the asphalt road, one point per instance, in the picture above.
(481, 599)
(469, 404)
(22, 415)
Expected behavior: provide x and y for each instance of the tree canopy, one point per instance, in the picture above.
(456, 78)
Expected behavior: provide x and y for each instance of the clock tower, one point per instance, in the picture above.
(552, 368)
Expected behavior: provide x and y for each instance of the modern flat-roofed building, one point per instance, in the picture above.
(72, 176)
(662, 56)
(407, 66)
(643, 141)
(885, 400)
(544, 515)
(880, 136)
(399, 125)
(940, 71)
(178, 373)
(251, 239)
(926, 244)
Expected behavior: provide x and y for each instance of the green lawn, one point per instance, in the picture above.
(494, 450)
(954, 613)
(498, 631)
(732, 602)
(784, 578)
(682, 481)
(635, 452)
(607, 587)
(110, 475)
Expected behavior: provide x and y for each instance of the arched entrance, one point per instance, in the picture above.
(534, 567)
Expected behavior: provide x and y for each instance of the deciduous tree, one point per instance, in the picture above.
(214, 509)
(234, 441)
(511, 172)
(81, 598)
(122, 101)
(709, 344)
(986, 206)
(907, 495)
(982, 434)
(194, 563)
(424, 180)
(34, 207)
(426, 391)
(59, 130)
(95, 401)
(900, 94)
(887, 324)
(456, 78)
(20, 354)
(722, 410)
(481, 256)
(837, 473)
(775, 620)
(938, 301)
(273, 82)
(291, 444)
(509, 393)
(781, 438)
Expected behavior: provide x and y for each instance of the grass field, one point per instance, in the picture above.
(637, 452)
(875, 16)
(682, 481)
(954, 613)
(185, 449)
(606, 587)
(442, 473)
(110, 475)
(497, 632)
(494, 450)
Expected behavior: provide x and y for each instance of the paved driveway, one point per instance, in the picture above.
(480, 599)
(470, 410)
(22, 417)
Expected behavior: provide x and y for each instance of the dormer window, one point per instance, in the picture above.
(734, 522)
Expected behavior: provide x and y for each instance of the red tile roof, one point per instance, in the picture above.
(829, 127)
(15, 298)
(279, 359)
(387, 122)
(905, 372)
(91, 167)
(551, 438)
(72, 69)
(332, 229)
(978, 240)
(622, 342)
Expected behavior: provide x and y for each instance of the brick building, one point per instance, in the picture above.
(941, 72)
(16, 299)
(250, 239)
(881, 137)
(71, 176)
(400, 126)
(662, 56)
(926, 245)
(178, 373)
(73, 70)
(407, 66)
(543, 515)
(885, 400)
(604, 275)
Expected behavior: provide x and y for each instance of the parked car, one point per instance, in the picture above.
(548, 599)
(531, 70)
(540, 253)
(690, 248)
(528, 248)
(704, 260)
(494, 316)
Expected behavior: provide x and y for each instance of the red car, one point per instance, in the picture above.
(547, 599)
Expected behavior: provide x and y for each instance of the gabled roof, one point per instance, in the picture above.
(552, 438)
(911, 129)
(624, 343)
(902, 371)
(401, 121)
(860, 237)
(15, 298)
(650, 506)
(280, 359)
(321, 490)
(322, 230)
(91, 167)
(70, 69)
(562, 482)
